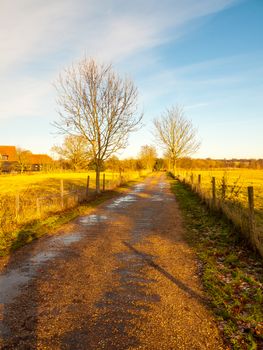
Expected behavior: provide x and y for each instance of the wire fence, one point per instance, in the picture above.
(220, 196)
(19, 209)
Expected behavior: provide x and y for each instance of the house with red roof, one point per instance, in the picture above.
(11, 159)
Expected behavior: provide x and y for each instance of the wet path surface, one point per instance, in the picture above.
(119, 278)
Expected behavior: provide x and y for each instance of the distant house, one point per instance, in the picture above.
(39, 161)
(8, 153)
(10, 160)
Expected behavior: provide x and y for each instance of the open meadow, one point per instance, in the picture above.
(230, 195)
(44, 184)
(236, 181)
(25, 198)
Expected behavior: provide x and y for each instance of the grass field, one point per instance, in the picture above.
(25, 199)
(237, 180)
(232, 197)
(49, 183)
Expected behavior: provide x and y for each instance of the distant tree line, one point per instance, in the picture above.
(208, 163)
(73, 155)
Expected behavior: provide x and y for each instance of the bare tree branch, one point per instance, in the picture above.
(98, 105)
(176, 134)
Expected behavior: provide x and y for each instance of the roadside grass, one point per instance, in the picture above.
(232, 274)
(38, 228)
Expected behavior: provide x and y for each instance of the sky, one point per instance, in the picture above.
(205, 55)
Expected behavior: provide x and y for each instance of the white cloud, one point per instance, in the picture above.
(35, 33)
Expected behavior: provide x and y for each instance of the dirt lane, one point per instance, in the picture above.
(120, 278)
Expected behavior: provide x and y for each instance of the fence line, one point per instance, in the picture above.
(20, 209)
(217, 199)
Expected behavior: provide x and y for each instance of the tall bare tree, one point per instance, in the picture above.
(99, 105)
(176, 134)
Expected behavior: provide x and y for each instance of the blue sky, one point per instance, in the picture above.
(205, 55)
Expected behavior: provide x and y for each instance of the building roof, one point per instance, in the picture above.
(40, 159)
(9, 151)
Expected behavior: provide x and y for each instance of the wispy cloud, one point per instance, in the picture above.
(196, 105)
(51, 33)
(209, 80)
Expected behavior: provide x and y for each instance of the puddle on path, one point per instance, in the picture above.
(122, 202)
(9, 284)
(138, 188)
(12, 280)
(41, 258)
(68, 239)
(157, 198)
(92, 219)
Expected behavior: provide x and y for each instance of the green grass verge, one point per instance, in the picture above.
(231, 273)
(39, 228)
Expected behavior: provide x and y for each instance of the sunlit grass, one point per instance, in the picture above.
(25, 199)
(239, 177)
(49, 183)
(232, 197)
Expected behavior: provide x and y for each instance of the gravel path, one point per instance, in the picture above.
(119, 278)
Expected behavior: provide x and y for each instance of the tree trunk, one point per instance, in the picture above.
(97, 179)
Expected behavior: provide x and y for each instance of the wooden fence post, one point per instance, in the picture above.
(62, 193)
(199, 180)
(192, 180)
(87, 187)
(103, 183)
(17, 205)
(214, 191)
(251, 216)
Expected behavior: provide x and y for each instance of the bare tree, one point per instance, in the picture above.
(23, 159)
(176, 134)
(148, 156)
(75, 150)
(99, 105)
